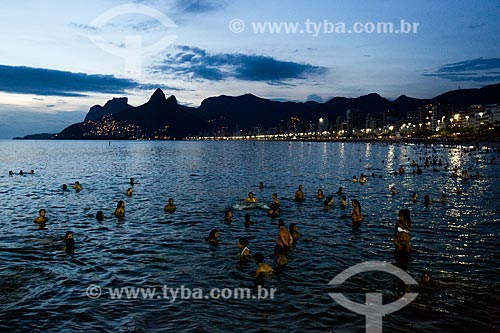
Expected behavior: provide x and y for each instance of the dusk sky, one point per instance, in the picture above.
(57, 58)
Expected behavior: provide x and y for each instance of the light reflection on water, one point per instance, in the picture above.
(43, 289)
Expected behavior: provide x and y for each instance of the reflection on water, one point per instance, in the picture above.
(43, 289)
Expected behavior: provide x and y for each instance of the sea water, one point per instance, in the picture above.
(43, 289)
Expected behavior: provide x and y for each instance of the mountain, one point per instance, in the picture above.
(114, 105)
(162, 117)
(39, 136)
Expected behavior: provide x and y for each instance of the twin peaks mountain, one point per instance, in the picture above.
(164, 118)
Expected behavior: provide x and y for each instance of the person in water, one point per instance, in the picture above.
(328, 203)
(262, 267)
(275, 199)
(11, 173)
(443, 198)
(274, 210)
(251, 198)
(299, 194)
(284, 238)
(294, 231)
(427, 200)
(132, 181)
(340, 191)
(320, 194)
(77, 186)
(281, 258)
(120, 209)
(65, 187)
(99, 216)
(228, 216)
(401, 170)
(41, 218)
(354, 179)
(243, 246)
(427, 283)
(402, 232)
(356, 216)
(343, 201)
(129, 192)
(170, 207)
(261, 184)
(213, 237)
(248, 222)
(70, 243)
(415, 197)
(393, 190)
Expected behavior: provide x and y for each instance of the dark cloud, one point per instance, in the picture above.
(478, 70)
(315, 98)
(196, 63)
(49, 82)
(199, 6)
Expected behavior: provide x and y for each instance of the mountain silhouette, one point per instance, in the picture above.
(162, 117)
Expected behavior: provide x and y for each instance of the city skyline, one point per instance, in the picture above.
(60, 59)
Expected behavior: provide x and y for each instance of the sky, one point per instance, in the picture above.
(57, 59)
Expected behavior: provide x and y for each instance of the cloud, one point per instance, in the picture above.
(49, 82)
(196, 63)
(315, 98)
(199, 6)
(478, 70)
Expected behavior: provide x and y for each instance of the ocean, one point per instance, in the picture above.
(151, 256)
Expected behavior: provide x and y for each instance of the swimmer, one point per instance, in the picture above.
(362, 178)
(340, 191)
(415, 197)
(77, 186)
(275, 199)
(248, 222)
(284, 238)
(281, 259)
(70, 243)
(129, 192)
(261, 184)
(21, 172)
(41, 218)
(99, 216)
(274, 211)
(402, 232)
(213, 237)
(427, 283)
(262, 267)
(343, 201)
(170, 207)
(243, 246)
(356, 216)
(354, 179)
(393, 190)
(251, 198)
(132, 181)
(228, 216)
(120, 209)
(427, 200)
(65, 187)
(328, 203)
(299, 194)
(401, 170)
(294, 231)
(320, 194)
(443, 198)
(32, 172)
(419, 171)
